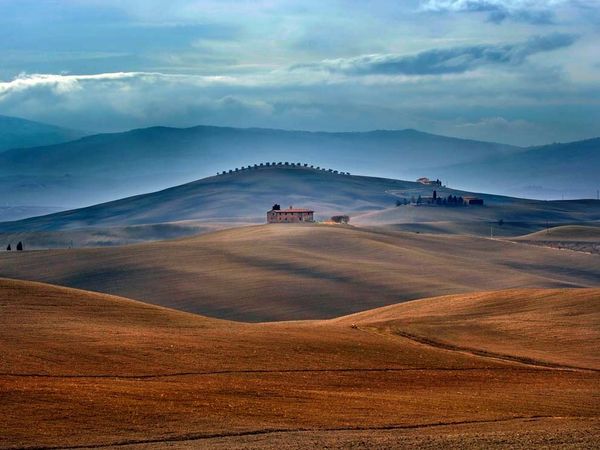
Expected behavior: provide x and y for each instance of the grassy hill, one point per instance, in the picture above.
(103, 167)
(244, 197)
(565, 233)
(546, 172)
(568, 237)
(284, 272)
(86, 369)
(16, 133)
(501, 216)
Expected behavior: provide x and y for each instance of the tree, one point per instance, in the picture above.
(20, 246)
(501, 222)
(434, 194)
(8, 249)
(276, 207)
(398, 202)
(419, 200)
(340, 219)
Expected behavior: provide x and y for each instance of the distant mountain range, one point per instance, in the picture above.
(108, 166)
(553, 171)
(21, 133)
(105, 167)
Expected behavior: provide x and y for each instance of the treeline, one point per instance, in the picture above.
(282, 164)
(450, 200)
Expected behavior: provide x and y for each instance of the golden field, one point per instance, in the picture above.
(512, 368)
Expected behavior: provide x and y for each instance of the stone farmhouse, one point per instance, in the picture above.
(290, 215)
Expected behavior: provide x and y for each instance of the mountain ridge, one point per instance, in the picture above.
(18, 133)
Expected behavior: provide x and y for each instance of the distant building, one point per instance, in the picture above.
(474, 201)
(427, 181)
(290, 215)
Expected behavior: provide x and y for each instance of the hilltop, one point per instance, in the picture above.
(553, 171)
(152, 377)
(570, 237)
(103, 167)
(243, 197)
(566, 233)
(19, 134)
(290, 272)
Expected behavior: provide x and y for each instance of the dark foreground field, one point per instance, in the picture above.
(514, 368)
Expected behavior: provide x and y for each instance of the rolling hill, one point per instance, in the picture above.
(569, 237)
(576, 233)
(289, 272)
(103, 167)
(18, 134)
(92, 370)
(547, 172)
(244, 196)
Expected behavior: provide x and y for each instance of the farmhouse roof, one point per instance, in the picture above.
(293, 210)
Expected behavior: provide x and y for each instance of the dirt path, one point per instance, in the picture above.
(475, 351)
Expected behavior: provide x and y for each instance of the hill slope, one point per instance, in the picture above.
(548, 172)
(565, 233)
(16, 133)
(107, 166)
(283, 272)
(154, 377)
(245, 196)
(556, 326)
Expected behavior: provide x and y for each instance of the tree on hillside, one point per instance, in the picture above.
(8, 249)
(20, 246)
(340, 219)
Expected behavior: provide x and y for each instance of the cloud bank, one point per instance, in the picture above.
(539, 12)
(446, 61)
(443, 66)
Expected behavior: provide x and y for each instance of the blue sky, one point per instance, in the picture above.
(515, 71)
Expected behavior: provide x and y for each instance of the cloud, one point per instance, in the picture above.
(60, 84)
(444, 61)
(533, 11)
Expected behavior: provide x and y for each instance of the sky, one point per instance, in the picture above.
(522, 72)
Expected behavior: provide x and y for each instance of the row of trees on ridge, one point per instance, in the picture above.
(282, 164)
